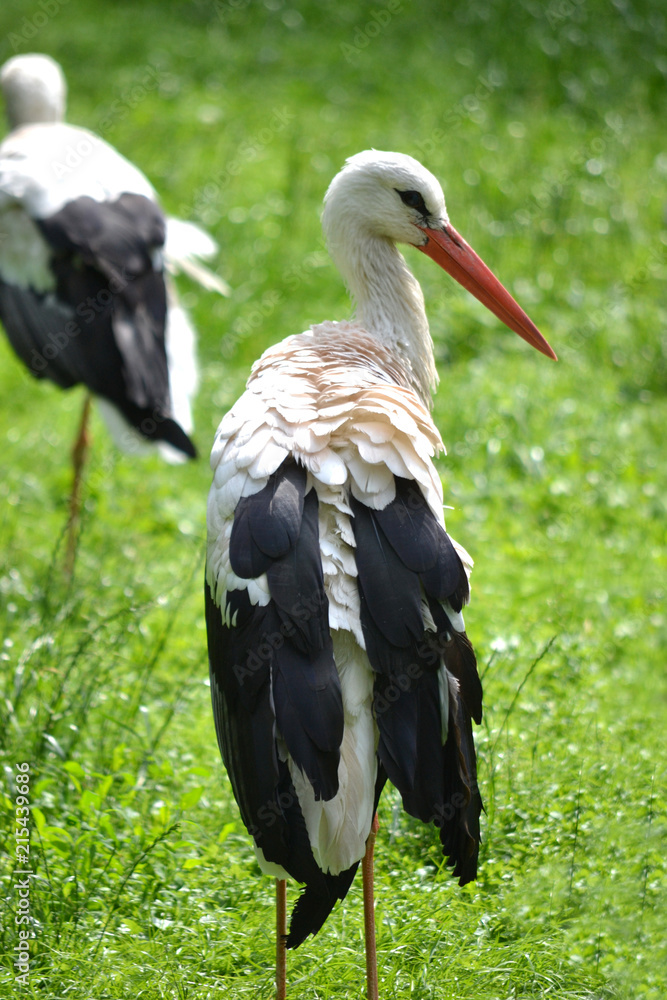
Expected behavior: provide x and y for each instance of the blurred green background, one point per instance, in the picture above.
(545, 124)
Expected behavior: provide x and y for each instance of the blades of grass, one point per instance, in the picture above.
(524, 680)
(128, 875)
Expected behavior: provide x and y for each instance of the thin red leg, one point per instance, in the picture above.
(79, 457)
(281, 939)
(369, 913)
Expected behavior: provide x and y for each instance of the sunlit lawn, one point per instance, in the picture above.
(546, 125)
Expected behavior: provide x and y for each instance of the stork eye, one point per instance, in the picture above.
(413, 199)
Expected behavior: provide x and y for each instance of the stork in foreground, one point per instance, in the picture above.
(338, 656)
(84, 297)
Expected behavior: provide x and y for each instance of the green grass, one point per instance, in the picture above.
(546, 125)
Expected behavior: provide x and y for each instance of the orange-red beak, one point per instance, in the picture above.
(452, 253)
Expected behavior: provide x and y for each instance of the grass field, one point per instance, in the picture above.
(545, 123)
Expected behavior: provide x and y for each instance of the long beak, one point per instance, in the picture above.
(452, 253)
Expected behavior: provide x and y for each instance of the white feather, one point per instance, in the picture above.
(184, 245)
(46, 166)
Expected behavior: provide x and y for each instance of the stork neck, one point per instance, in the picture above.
(390, 304)
(32, 100)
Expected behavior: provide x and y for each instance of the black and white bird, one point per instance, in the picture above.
(338, 656)
(85, 259)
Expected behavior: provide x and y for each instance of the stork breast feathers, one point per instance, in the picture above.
(342, 405)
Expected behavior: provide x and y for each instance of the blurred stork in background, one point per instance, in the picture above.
(86, 257)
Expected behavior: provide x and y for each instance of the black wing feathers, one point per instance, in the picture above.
(102, 262)
(406, 561)
(244, 727)
(460, 659)
(267, 524)
(407, 711)
(422, 545)
(395, 610)
(273, 678)
(37, 325)
(261, 782)
(276, 532)
(104, 325)
(306, 686)
(117, 237)
(462, 803)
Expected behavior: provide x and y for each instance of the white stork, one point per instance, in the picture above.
(338, 656)
(84, 297)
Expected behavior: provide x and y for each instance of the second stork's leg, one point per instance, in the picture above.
(281, 939)
(79, 457)
(369, 913)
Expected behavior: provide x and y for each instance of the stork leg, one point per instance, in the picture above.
(281, 939)
(79, 458)
(369, 913)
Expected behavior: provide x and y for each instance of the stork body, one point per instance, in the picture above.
(85, 297)
(337, 647)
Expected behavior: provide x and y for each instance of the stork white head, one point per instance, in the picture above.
(385, 198)
(34, 89)
(369, 191)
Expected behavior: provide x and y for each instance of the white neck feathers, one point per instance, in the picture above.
(387, 296)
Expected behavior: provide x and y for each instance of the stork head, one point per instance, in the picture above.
(392, 197)
(368, 193)
(34, 89)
